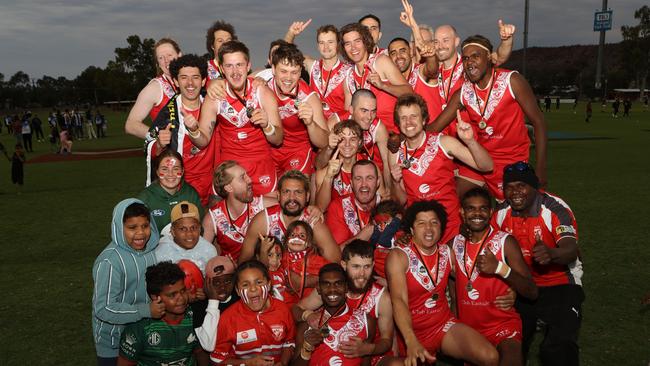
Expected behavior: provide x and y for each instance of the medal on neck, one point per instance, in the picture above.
(482, 123)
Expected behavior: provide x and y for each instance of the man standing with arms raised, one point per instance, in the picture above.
(372, 71)
(496, 102)
(248, 119)
(327, 74)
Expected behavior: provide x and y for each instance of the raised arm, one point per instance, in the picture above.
(502, 54)
(471, 153)
(268, 117)
(147, 99)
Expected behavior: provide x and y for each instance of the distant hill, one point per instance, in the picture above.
(548, 67)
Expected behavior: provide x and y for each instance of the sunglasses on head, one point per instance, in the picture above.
(519, 166)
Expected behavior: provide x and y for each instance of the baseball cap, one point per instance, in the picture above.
(219, 265)
(185, 209)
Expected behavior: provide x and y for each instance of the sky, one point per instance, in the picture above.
(62, 38)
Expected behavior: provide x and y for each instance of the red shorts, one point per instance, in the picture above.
(262, 173)
(505, 331)
(429, 338)
(202, 183)
(302, 160)
(493, 180)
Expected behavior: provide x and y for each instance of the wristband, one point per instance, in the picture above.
(194, 134)
(503, 270)
(307, 347)
(271, 132)
(305, 355)
(306, 315)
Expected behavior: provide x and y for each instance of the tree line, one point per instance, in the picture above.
(626, 66)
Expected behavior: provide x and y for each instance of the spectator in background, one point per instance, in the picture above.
(17, 128)
(26, 132)
(615, 107)
(547, 103)
(37, 128)
(77, 125)
(588, 111)
(54, 137)
(17, 172)
(627, 105)
(89, 124)
(66, 141)
(100, 122)
(557, 103)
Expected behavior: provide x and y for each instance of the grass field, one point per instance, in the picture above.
(53, 231)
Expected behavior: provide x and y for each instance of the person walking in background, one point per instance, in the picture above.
(99, 124)
(547, 103)
(89, 123)
(615, 106)
(627, 105)
(588, 111)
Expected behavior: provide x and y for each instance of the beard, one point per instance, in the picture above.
(356, 290)
(288, 212)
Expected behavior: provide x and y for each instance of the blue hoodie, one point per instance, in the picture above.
(120, 294)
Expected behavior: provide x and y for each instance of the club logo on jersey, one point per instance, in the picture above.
(265, 180)
(489, 131)
(154, 339)
(158, 212)
(424, 188)
(474, 294)
(430, 303)
(538, 232)
(562, 229)
(246, 336)
(278, 331)
(294, 163)
(191, 338)
(336, 361)
(129, 339)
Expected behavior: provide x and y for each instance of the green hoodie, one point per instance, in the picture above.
(120, 293)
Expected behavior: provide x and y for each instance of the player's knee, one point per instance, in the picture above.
(488, 356)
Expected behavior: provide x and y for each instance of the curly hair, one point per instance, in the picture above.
(368, 43)
(219, 25)
(408, 100)
(287, 54)
(189, 60)
(425, 206)
(295, 175)
(161, 275)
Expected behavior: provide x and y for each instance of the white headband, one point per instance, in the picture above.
(477, 45)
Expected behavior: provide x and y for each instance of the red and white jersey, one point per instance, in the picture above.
(329, 85)
(245, 334)
(341, 184)
(168, 91)
(369, 301)
(274, 224)
(506, 136)
(240, 139)
(552, 220)
(449, 81)
(230, 231)
(345, 218)
(426, 301)
(476, 306)
(370, 149)
(385, 101)
(341, 328)
(427, 91)
(296, 136)
(213, 70)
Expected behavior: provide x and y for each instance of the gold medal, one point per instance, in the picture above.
(434, 297)
(326, 107)
(469, 287)
(406, 164)
(482, 125)
(297, 102)
(249, 112)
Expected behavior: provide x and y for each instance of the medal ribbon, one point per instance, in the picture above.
(478, 101)
(421, 259)
(466, 254)
(232, 222)
(451, 78)
(239, 98)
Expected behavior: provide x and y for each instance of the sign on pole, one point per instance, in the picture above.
(602, 21)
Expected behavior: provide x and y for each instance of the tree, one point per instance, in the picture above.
(637, 48)
(136, 60)
(19, 80)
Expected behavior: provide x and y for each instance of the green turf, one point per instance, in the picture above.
(53, 231)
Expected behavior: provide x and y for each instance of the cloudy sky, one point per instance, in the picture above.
(61, 38)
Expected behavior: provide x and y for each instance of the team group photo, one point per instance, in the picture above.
(384, 185)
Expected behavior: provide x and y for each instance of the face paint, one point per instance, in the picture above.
(244, 296)
(265, 291)
(171, 163)
(297, 241)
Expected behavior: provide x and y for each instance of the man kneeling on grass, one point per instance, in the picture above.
(169, 340)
